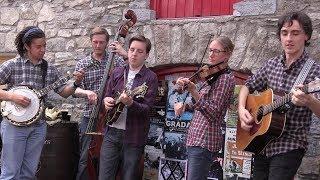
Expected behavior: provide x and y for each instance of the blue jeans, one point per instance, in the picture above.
(85, 141)
(113, 151)
(21, 150)
(199, 162)
(278, 167)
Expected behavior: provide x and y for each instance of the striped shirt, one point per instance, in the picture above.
(275, 75)
(205, 128)
(94, 75)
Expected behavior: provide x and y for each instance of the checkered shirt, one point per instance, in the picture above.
(275, 75)
(205, 128)
(94, 75)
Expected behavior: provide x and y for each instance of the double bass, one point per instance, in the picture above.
(96, 124)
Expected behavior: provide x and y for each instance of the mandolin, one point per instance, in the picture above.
(114, 113)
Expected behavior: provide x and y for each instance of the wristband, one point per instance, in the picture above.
(75, 85)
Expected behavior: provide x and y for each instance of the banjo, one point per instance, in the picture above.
(24, 116)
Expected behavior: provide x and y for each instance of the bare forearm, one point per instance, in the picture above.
(5, 95)
(68, 90)
(80, 92)
(243, 94)
(314, 105)
(195, 95)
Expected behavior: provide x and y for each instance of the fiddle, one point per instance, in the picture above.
(206, 73)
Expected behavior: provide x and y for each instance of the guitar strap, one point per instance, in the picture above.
(300, 79)
(303, 73)
(44, 68)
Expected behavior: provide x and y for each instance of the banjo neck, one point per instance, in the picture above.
(54, 85)
(61, 81)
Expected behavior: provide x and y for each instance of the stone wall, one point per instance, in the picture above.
(67, 24)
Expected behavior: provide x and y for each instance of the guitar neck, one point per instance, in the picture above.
(308, 88)
(278, 103)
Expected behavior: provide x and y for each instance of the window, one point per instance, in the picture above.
(191, 8)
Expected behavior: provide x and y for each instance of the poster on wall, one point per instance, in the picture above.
(175, 145)
(158, 112)
(171, 169)
(237, 163)
(152, 157)
(181, 122)
(155, 139)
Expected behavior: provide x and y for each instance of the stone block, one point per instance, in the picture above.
(24, 23)
(139, 4)
(56, 44)
(309, 167)
(254, 7)
(83, 42)
(9, 16)
(64, 33)
(9, 42)
(46, 13)
(143, 15)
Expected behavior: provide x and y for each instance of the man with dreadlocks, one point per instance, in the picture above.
(22, 145)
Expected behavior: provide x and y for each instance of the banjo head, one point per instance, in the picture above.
(22, 116)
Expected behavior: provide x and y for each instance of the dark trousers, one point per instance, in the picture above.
(85, 141)
(278, 167)
(199, 161)
(114, 154)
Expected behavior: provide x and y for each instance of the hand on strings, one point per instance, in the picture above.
(179, 108)
(108, 103)
(117, 47)
(185, 82)
(299, 98)
(19, 99)
(78, 76)
(125, 99)
(246, 119)
(92, 97)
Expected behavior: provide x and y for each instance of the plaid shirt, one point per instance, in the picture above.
(94, 75)
(205, 128)
(275, 75)
(137, 122)
(21, 72)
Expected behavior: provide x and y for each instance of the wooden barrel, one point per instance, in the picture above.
(60, 153)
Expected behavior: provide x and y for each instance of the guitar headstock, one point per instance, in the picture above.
(313, 86)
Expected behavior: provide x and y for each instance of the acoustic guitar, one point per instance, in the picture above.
(114, 113)
(269, 116)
